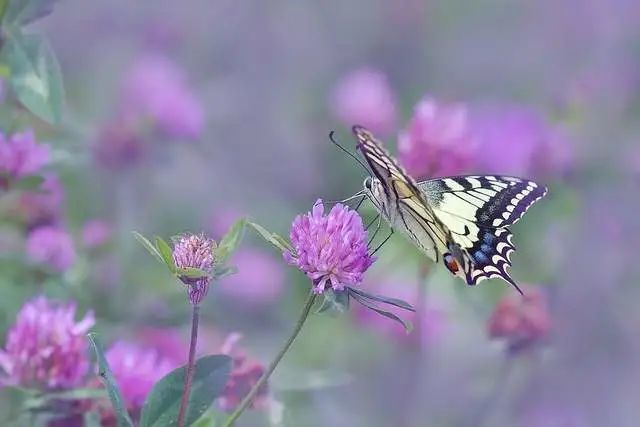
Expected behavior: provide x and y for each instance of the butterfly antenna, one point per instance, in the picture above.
(355, 196)
(350, 154)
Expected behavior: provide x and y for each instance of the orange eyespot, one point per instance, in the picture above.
(451, 263)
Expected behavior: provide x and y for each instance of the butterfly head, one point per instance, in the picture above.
(374, 190)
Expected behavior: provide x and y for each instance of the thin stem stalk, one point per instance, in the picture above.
(188, 379)
(272, 366)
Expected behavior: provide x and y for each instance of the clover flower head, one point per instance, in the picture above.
(330, 249)
(46, 348)
(245, 373)
(521, 320)
(21, 155)
(437, 140)
(52, 246)
(195, 251)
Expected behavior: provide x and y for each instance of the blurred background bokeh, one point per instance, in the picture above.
(183, 116)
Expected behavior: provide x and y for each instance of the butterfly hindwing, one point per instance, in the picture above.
(477, 210)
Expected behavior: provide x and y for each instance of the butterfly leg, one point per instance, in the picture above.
(383, 242)
(359, 203)
(375, 233)
(371, 222)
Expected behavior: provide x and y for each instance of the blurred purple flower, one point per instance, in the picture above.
(259, 280)
(169, 343)
(428, 321)
(119, 145)
(437, 140)
(136, 369)
(514, 140)
(155, 88)
(43, 207)
(245, 372)
(195, 251)
(46, 348)
(52, 246)
(331, 250)
(364, 97)
(95, 232)
(521, 320)
(21, 155)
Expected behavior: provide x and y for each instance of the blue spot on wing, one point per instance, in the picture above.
(481, 257)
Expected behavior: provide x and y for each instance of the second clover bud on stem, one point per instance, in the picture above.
(195, 251)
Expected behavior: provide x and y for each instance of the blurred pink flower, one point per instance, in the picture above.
(259, 280)
(136, 369)
(119, 145)
(95, 232)
(428, 320)
(43, 207)
(514, 140)
(45, 347)
(437, 141)
(169, 343)
(52, 246)
(21, 155)
(156, 88)
(521, 320)
(195, 251)
(245, 372)
(330, 249)
(364, 97)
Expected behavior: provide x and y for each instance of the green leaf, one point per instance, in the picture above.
(230, 241)
(191, 272)
(148, 246)
(273, 238)
(35, 74)
(23, 12)
(166, 253)
(28, 183)
(162, 405)
(221, 272)
(110, 383)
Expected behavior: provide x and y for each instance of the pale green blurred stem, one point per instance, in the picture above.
(272, 366)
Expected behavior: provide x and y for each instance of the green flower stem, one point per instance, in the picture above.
(3, 8)
(188, 379)
(272, 366)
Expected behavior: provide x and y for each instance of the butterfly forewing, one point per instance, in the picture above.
(490, 201)
(401, 202)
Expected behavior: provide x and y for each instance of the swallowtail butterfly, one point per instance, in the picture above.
(461, 221)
